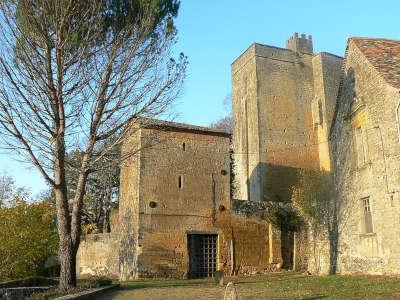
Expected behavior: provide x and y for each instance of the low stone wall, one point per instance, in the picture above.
(22, 292)
(29, 282)
(98, 255)
(258, 212)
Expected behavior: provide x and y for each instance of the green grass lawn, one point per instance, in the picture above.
(276, 286)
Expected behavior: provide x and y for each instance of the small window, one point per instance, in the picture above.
(180, 182)
(398, 119)
(184, 146)
(367, 215)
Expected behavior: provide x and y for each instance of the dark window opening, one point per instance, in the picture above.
(184, 146)
(202, 255)
(180, 182)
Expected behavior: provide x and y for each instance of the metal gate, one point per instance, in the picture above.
(202, 255)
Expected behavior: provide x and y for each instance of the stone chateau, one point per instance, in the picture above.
(184, 213)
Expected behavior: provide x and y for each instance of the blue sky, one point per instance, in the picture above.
(212, 33)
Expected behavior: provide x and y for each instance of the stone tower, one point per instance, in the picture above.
(300, 44)
(283, 99)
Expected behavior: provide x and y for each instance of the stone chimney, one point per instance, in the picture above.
(300, 43)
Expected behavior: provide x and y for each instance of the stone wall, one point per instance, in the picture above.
(326, 73)
(368, 104)
(129, 205)
(186, 175)
(283, 103)
(245, 124)
(275, 130)
(98, 255)
(179, 186)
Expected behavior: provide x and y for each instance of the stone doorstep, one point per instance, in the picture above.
(88, 294)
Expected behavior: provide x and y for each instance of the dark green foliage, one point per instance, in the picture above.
(109, 19)
(121, 14)
(314, 197)
(285, 217)
(28, 238)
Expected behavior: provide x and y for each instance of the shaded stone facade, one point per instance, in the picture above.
(365, 155)
(295, 109)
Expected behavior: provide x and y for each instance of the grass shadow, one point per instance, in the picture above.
(173, 283)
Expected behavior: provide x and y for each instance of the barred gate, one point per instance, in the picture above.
(202, 255)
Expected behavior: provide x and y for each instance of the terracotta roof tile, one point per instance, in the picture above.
(168, 125)
(384, 55)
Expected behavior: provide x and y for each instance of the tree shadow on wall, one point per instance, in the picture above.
(274, 184)
(300, 199)
(343, 161)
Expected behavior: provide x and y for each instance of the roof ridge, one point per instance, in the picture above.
(372, 38)
(163, 124)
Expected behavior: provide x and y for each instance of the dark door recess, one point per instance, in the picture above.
(202, 255)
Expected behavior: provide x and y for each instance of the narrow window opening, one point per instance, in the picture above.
(180, 182)
(184, 146)
(398, 119)
(366, 207)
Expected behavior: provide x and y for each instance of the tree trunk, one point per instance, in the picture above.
(67, 279)
(73, 264)
(106, 209)
(64, 231)
(76, 220)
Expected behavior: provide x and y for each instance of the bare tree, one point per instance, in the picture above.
(7, 187)
(102, 189)
(225, 123)
(72, 74)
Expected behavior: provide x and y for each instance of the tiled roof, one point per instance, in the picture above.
(384, 55)
(173, 126)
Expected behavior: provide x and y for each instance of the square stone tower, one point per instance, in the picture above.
(275, 91)
(300, 44)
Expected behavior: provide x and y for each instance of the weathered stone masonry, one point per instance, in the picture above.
(292, 109)
(365, 154)
(283, 103)
(177, 185)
